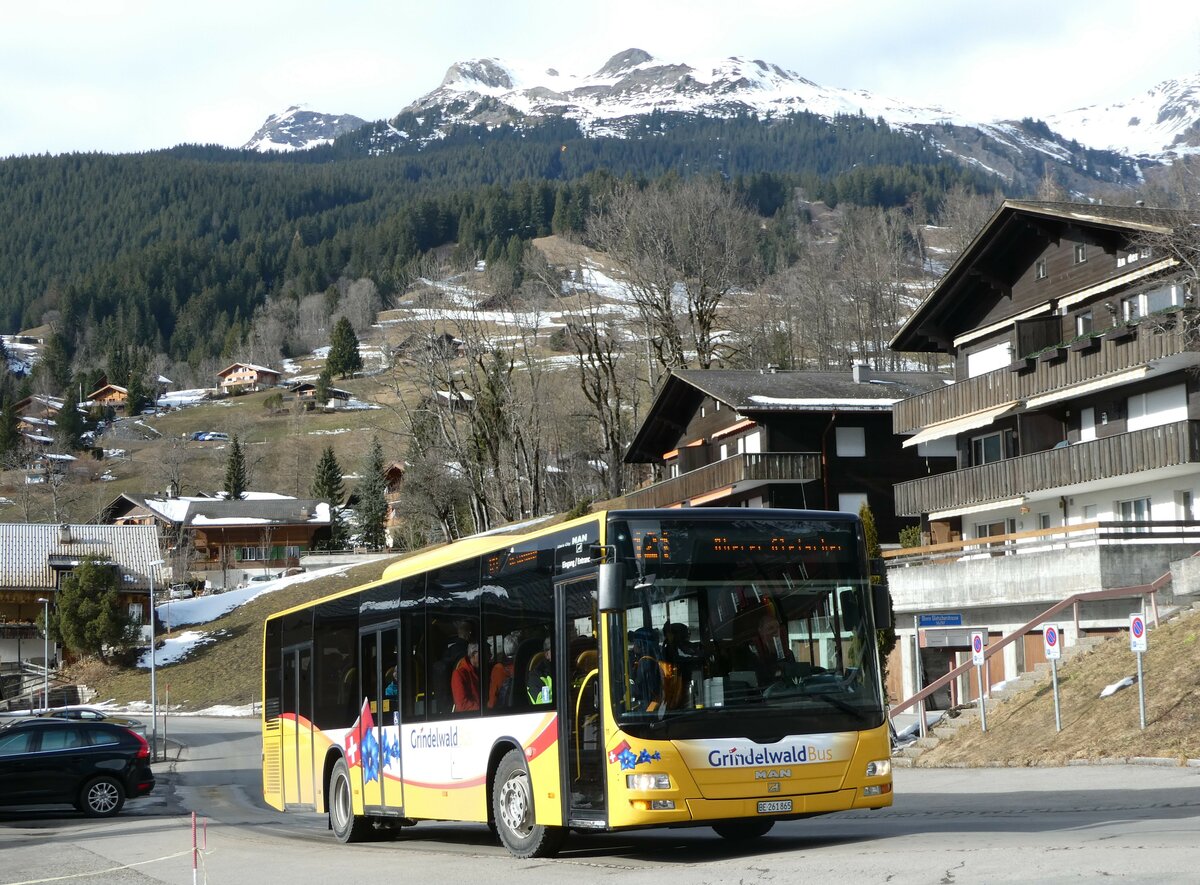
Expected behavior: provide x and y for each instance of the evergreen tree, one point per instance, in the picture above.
(90, 617)
(137, 394)
(372, 500)
(10, 436)
(53, 368)
(235, 471)
(885, 638)
(69, 423)
(344, 359)
(327, 486)
(321, 394)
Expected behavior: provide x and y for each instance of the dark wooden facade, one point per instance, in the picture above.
(816, 440)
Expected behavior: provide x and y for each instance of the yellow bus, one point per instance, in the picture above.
(628, 669)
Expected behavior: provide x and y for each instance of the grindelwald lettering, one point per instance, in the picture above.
(434, 738)
(794, 754)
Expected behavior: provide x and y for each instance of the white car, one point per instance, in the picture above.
(180, 591)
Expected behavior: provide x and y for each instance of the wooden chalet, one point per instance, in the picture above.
(247, 377)
(819, 440)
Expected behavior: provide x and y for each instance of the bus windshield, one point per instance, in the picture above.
(756, 627)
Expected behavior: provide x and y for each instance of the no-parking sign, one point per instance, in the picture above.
(1137, 633)
(1052, 640)
(977, 642)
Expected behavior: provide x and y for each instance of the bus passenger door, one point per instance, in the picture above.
(379, 720)
(578, 669)
(297, 706)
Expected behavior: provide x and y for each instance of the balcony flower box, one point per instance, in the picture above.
(1024, 364)
(1120, 333)
(1052, 355)
(1084, 343)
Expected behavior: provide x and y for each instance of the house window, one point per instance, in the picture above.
(1043, 520)
(1154, 408)
(754, 442)
(1136, 510)
(980, 362)
(1080, 253)
(1083, 322)
(253, 554)
(291, 551)
(851, 442)
(987, 449)
(135, 612)
(1183, 505)
(1039, 269)
(851, 502)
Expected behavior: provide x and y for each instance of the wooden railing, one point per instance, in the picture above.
(711, 478)
(1166, 445)
(1151, 340)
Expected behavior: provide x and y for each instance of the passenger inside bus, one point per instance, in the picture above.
(464, 682)
(500, 679)
(540, 683)
(647, 675)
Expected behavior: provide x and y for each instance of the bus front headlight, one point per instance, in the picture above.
(879, 768)
(648, 781)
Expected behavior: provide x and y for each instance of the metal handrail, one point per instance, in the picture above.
(1073, 600)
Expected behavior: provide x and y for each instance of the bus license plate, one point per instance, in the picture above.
(775, 807)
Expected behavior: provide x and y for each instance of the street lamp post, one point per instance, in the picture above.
(153, 674)
(45, 651)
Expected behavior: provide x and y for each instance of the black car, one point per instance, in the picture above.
(94, 766)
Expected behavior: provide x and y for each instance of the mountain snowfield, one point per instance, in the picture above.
(1151, 124)
(631, 84)
(299, 128)
(634, 83)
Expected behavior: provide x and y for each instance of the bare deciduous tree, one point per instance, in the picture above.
(683, 247)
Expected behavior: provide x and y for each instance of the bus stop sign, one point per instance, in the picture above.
(1137, 633)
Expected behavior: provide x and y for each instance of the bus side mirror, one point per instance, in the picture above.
(612, 581)
(881, 601)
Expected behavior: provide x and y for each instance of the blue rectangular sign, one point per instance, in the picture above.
(942, 620)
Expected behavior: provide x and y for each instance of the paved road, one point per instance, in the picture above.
(948, 826)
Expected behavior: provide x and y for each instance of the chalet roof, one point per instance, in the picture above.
(1019, 228)
(751, 392)
(106, 388)
(261, 369)
(203, 511)
(32, 550)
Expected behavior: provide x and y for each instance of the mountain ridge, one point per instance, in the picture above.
(1154, 127)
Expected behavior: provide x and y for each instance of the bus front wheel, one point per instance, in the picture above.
(347, 826)
(512, 808)
(743, 829)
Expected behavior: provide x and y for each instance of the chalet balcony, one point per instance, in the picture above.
(712, 482)
(1154, 339)
(1167, 445)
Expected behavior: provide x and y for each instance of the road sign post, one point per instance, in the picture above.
(978, 638)
(1138, 645)
(921, 726)
(1052, 640)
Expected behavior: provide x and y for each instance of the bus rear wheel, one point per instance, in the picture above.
(512, 808)
(347, 826)
(743, 829)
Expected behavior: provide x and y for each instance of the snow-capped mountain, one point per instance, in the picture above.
(633, 83)
(298, 128)
(1160, 121)
(615, 100)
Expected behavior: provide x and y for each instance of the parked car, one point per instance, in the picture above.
(180, 591)
(91, 714)
(92, 765)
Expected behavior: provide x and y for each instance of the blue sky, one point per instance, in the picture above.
(129, 75)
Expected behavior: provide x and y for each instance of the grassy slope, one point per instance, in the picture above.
(227, 671)
(1021, 728)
